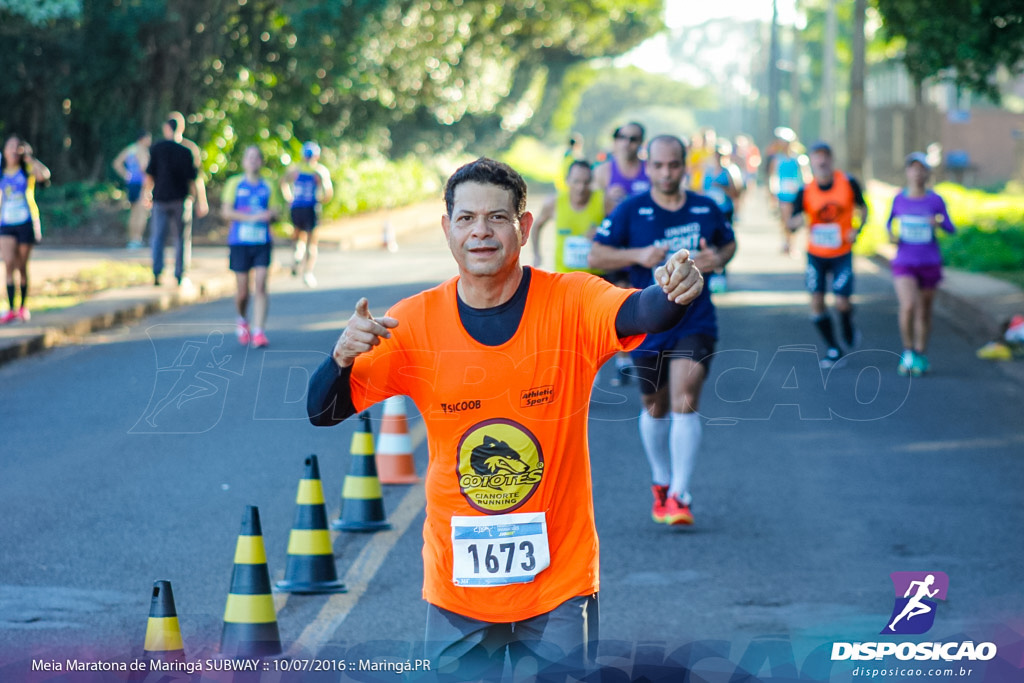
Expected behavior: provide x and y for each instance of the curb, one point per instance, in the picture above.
(976, 305)
(104, 311)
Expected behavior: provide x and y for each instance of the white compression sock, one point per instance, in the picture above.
(654, 433)
(684, 442)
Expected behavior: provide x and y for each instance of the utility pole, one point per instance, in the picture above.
(794, 81)
(857, 114)
(773, 71)
(828, 76)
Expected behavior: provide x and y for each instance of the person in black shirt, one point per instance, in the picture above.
(172, 185)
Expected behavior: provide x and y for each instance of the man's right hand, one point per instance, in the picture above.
(362, 333)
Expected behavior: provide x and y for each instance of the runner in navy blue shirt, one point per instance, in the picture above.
(671, 366)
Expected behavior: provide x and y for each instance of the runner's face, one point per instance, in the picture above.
(822, 166)
(628, 141)
(579, 184)
(12, 150)
(665, 167)
(917, 175)
(252, 161)
(483, 233)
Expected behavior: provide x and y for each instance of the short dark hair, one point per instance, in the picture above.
(581, 163)
(487, 172)
(668, 138)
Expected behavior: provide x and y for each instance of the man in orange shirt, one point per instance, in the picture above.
(500, 361)
(830, 202)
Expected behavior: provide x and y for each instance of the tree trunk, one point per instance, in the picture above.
(856, 117)
(828, 77)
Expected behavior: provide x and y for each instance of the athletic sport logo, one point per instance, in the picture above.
(914, 609)
(500, 465)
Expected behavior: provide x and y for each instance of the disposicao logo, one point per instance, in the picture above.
(914, 610)
(913, 613)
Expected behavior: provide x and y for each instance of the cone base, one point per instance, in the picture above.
(343, 525)
(311, 587)
(244, 641)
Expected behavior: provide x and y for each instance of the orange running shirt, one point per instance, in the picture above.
(830, 217)
(506, 430)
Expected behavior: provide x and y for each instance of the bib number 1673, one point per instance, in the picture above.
(492, 560)
(499, 550)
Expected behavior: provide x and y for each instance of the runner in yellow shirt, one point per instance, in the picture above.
(577, 211)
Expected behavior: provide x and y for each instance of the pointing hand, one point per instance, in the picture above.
(679, 278)
(361, 334)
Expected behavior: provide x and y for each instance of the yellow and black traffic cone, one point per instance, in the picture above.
(250, 622)
(310, 556)
(362, 502)
(163, 633)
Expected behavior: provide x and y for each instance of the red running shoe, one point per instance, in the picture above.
(243, 334)
(677, 513)
(658, 509)
(259, 340)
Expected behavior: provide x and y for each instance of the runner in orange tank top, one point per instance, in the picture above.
(834, 208)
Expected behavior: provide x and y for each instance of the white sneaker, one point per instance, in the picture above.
(830, 358)
(906, 363)
(310, 280)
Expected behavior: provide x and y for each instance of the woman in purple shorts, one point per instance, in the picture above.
(917, 268)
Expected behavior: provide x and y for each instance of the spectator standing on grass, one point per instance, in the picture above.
(917, 267)
(20, 228)
(131, 164)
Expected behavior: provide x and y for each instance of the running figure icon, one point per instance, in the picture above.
(197, 364)
(915, 606)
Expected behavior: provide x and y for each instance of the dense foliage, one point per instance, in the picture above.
(966, 41)
(365, 76)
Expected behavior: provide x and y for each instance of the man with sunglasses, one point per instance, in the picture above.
(622, 176)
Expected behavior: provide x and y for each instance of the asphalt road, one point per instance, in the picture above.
(130, 458)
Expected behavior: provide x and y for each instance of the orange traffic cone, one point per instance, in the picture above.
(362, 503)
(394, 446)
(310, 555)
(163, 633)
(250, 622)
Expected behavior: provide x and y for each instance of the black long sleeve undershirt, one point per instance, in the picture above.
(329, 399)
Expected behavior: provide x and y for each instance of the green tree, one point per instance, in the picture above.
(661, 104)
(965, 41)
(365, 77)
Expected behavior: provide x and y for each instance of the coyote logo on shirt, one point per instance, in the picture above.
(500, 465)
(494, 457)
